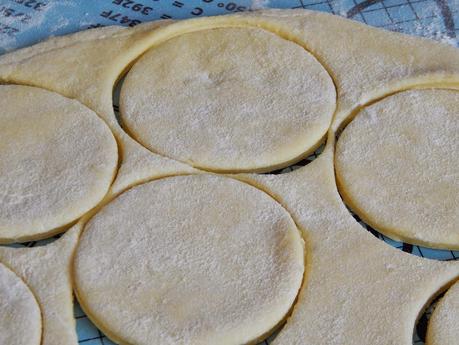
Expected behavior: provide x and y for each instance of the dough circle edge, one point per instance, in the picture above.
(443, 327)
(55, 174)
(312, 107)
(20, 313)
(292, 281)
(360, 197)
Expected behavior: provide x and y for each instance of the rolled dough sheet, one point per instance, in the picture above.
(358, 290)
(365, 63)
(188, 260)
(94, 59)
(349, 273)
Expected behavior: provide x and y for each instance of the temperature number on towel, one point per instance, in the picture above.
(6, 29)
(11, 12)
(118, 17)
(33, 4)
(230, 6)
(133, 6)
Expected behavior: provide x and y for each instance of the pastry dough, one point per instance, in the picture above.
(365, 63)
(230, 99)
(443, 326)
(94, 59)
(20, 318)
(358, 290)
(46, 270)
(56, 162)
(397, 167)
(188, 260)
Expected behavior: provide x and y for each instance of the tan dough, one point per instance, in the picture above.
(364, 62)
(85, 66)
(188, 260)
(56, 162)
(46, 270)
(20, 318)
(231, 99)
(358, 290)
(443, 326)
(397, 167)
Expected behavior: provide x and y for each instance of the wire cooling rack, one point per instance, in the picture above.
(24, 22)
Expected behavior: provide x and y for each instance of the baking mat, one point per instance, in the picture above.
(24, 22)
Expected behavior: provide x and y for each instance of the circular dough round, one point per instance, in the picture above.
(188, 260)
(231, 99)
(397, 167)
(57, 161)
(443, 326)
(20, 317)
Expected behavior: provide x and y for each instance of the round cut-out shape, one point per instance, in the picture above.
(397, 167)
(229, 99)
(189, 260)
(20, 317)
(443, 326)
(57, 161)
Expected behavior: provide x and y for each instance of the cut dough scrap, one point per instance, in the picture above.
(46, 270)
(188, 260)
(20, 318)
(443, 326)
(229, 99)
(56, 162)
(397, 167)
(140, 165)
(358, 290)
